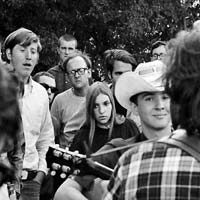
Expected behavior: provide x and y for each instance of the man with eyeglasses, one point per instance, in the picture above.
(69, 106)
(158, 50)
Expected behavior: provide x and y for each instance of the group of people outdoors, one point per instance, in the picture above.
(124, 125)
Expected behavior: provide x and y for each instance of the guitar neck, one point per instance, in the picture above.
(97, 169)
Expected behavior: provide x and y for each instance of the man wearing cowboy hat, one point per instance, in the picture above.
(143, 90)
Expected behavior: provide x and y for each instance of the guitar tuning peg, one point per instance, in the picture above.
(76, 172)
(53, 173)
(57, 153)
(67, 156)
(55, 166)
(63, 175)
(66, 169)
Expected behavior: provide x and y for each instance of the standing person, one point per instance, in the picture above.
(158, 170)
(67, 45)
(69, 106)
(158, 50)
(21, 50)
(10, 128)
(117, 62)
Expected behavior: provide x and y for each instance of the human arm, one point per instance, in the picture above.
(56, 119)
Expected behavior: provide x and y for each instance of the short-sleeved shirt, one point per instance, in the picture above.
(155, 171)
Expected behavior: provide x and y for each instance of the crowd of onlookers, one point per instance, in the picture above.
(121, 124)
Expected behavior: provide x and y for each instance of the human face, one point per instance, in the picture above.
(66, 48)
(51, 83)
(154, 110)
(119, 68)
(77, 80)
(102, 110)
(159, 53)
(23, 59)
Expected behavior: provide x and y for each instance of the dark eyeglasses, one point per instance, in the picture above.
(80, 71)
(156, 56)
(53, 89)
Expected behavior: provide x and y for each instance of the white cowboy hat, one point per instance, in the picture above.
(147, 77)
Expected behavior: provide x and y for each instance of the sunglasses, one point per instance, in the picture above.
(53, 89)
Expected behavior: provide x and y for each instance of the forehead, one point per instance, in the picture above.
(102, 98)
(32, 45)
(144, 94)
(159, 49)
(48, 80)
(119, 66)
(64, 43)
(76, 62)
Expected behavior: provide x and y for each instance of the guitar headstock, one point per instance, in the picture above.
(63, 162)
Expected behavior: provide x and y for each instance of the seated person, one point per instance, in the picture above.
(100, 126)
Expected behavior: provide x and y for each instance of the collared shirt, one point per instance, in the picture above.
(37, 124)
(155, 171)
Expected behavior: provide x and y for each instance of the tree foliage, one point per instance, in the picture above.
(98, 24)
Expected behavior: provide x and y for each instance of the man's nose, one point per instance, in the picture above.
(28, 54)
(160, 103)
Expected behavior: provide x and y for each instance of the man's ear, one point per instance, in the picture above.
(134, 109)
(8, 54)
(89, 73)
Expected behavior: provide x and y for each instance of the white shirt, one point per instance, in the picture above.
(38, 128)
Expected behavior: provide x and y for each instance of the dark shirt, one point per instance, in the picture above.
(60, 76)
(111, 159)
(126, 130)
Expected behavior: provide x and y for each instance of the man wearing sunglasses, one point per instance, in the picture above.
(68, 107)
(47, 80)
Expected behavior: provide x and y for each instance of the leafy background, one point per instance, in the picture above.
(98, 25)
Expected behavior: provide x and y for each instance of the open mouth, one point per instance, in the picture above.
(27, 65)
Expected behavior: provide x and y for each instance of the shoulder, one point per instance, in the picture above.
(64, 95)
(39, 89)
